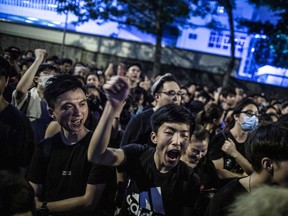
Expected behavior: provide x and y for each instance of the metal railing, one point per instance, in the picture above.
(49, 5)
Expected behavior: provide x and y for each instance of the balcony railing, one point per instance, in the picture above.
(49, 5)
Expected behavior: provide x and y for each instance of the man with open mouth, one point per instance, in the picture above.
(159, 182)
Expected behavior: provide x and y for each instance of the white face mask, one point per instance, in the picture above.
(43, 80)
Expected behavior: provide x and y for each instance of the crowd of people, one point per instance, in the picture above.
(118, 142)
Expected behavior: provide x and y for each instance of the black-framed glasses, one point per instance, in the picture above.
(173, 93)
(250, 114)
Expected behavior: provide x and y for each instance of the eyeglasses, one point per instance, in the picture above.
(250, 114)
(172, 93)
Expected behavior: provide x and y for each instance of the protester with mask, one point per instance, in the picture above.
(227, 149)
(267, 151)
(30, 100)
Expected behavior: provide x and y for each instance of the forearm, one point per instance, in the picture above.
(26, 80)
(101, 136)
(75, 204)
(115, 128)
(222, 172)
(244, 163)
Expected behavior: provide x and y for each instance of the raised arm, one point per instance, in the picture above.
(116, 90)
(26, 80)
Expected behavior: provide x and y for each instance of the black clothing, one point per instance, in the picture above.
(16, 139)
(209, 183)
(65, 170)
(139, 129)
(221, 201)
(215, 151)
(150, 192)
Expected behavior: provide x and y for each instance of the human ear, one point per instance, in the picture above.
(267, 164)
(36, 79)
(51, 113)
(153, 137)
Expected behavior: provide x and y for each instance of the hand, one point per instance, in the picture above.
(40, 54)
(229, 148)
(38, 203)
(116, 90)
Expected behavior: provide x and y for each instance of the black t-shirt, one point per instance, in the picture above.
(65, 170)
(206, 170)
(221, 201)
(209, 183)
(153, 193)
(139, 129)
(16, 139)
(215, 151)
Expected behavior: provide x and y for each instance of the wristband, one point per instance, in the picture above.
(44, 207)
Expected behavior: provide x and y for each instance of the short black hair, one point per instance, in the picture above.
(268, 140)
(228, 91)
(131, 64)
(5, 67)
(45, 66)
(59, 84)
(67, 60)
(201, 133)
(172, 113)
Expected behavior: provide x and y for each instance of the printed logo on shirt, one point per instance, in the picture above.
(66, 173)
(146, 203)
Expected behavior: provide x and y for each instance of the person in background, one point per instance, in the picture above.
(185, 101)
(211, 117)
(16, 134)
(30, 100)
(267, 151)
(133, 74)
(66, 66)
(93, 78)
(227, 98)
(160, 183)
(227, 149)
(16, 195)
(284, 110)
(272, 112)
(195, 157)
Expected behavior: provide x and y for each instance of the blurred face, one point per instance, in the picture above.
(81, 70)
(66, 67)
(186, 97)
(133, 73)
(273, 113)
(71, 110)
(171, 142)
(169, 94)
(196, 150)
(93, 79)
(280, 173)
(284, 111)
(239, 95)
(147, 83)
(230, 99)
